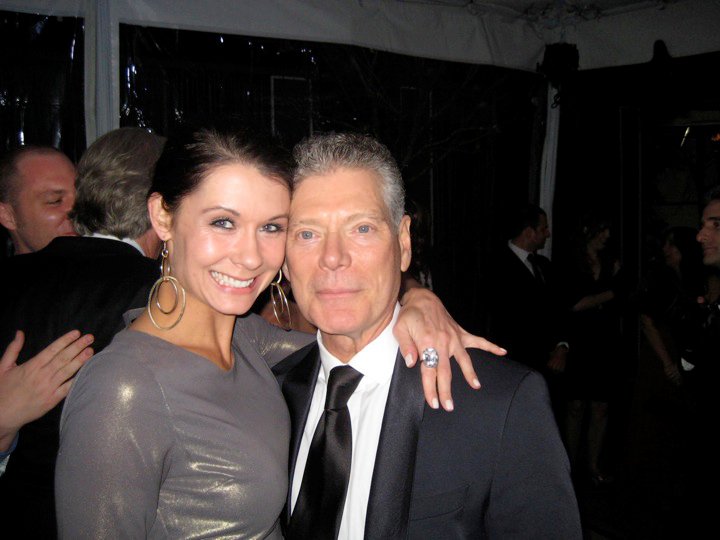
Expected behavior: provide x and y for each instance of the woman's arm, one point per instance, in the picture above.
(423, 322)
(656, 342)
(115, 438)
(593, 300)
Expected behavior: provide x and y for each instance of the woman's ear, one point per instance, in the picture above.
(160, 216)
(286, 272)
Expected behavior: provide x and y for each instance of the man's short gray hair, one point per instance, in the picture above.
(114, 176)
(321, 154)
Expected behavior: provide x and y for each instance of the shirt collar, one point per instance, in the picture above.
(376, 361)
(128, 241)
(520, 252)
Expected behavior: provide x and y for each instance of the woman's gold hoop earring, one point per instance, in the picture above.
(165, 277)
(281, 309)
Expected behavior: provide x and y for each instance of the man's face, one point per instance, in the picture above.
(709, 234)
(541, 233)
(344, 257)
(46, 194)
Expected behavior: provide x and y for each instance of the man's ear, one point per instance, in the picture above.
(7, 216)
(160, 217)
(405, 243)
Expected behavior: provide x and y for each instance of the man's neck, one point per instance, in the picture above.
(520, 243)
(345, 347)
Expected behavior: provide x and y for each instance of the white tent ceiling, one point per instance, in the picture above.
(509, 33)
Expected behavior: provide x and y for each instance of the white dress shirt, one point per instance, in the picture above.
(366, 406)
(522, 255)
(128, 241)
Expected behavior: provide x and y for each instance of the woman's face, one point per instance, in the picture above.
(227, 238)
(672, 254)
(599, 241)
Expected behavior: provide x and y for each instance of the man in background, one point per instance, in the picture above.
(86, 283)
(37, 190)
(525, 316)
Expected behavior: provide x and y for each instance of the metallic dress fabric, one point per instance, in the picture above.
(157, 442)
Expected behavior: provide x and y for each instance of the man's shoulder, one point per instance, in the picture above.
(77, 249)
(500, 378)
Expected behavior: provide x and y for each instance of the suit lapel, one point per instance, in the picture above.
(391, 489)
(298, 390)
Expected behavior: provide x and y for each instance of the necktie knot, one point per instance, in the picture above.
(533, 259)
(342, 382)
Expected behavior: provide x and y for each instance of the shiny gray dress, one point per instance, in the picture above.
(157, 442)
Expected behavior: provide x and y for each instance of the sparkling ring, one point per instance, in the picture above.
(430, 357)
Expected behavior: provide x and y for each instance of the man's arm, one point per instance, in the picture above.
(532, 495)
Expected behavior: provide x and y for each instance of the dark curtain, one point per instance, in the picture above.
(41, 85)
(463, 134)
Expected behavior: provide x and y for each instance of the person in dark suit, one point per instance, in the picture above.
(524, 313)
(368, 458)
(84, 283)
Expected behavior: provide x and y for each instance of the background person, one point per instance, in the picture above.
(36, 193)
(82, 282)
(595, 362)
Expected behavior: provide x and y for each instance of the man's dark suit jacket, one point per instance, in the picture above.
(493, 468)
(74, 283)
(524, 314)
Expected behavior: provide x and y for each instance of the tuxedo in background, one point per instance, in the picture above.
(73, 283)
(524, 313)
(493, 468)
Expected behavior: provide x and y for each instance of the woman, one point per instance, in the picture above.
(178, 428)
(668, 294)
(594, 359)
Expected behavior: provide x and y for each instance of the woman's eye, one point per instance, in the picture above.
(364, 229)
(223, 223)
(272, 228)
(54, 202)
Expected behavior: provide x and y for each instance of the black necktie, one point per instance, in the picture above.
(533, 258)
(319, 506)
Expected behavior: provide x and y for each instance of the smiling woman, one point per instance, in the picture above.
(178, 427)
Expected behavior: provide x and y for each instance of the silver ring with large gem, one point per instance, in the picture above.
(430, 358)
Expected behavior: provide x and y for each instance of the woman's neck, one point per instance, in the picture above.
(201, 330)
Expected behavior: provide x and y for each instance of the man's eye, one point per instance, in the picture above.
(54, 202)
(306, 235)
(364, 228)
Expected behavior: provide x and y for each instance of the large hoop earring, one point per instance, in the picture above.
(165, 277)
(281, 309)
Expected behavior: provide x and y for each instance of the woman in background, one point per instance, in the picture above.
(594, 362)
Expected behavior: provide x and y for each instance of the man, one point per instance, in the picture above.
(36, 193)
(84, 283)
(524, 312)
(393, 467)
(702, 327)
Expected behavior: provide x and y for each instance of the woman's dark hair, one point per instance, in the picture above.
(191, 155)
(589, 226)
